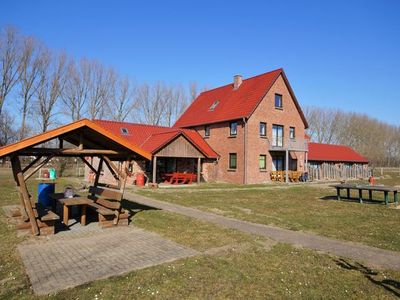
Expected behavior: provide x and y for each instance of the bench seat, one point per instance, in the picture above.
(101, 209)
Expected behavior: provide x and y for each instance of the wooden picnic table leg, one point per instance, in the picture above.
(338, 193)
(360, 195)
(386, 197)
(396, 199)
(348, 193)
(83, 215)
(65, 214)
(370, 195)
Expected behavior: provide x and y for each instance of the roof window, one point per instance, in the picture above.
(214, 105)
(124, 130)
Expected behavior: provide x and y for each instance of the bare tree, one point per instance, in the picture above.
(101, 89)
(176, 103)
(77, 87)
(51, 84)
(7, 132)
(28, 70)
(123, 103)
(9, 58)
(376, 140)
(152, 100)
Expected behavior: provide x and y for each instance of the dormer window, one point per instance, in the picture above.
(214, 105)
(124, 131)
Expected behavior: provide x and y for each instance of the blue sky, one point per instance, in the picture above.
(342, 54)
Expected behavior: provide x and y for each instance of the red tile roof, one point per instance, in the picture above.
(333, 153)
(151, 138)
(232, 104)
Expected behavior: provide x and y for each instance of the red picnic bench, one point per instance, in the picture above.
(176, 178)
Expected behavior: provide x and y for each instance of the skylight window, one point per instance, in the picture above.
(124, 130)
(214, 105)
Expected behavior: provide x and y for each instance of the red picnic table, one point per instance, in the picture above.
(183, 178)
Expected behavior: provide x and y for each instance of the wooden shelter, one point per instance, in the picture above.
(87, 139)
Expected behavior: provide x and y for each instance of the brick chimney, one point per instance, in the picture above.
(237, 81)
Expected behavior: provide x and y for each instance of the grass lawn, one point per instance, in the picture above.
(299, 207)
(233, 265)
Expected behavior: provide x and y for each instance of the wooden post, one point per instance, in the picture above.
(24, 195)
(97, 178)
(154, 169)
(198, 169)
(287, 166)
(338, 193)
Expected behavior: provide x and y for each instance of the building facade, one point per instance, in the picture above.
(255, 125)
(242, 132)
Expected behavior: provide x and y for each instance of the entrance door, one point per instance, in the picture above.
(277, 163)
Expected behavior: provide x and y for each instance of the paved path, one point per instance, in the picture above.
(67, 262)
(373, 257)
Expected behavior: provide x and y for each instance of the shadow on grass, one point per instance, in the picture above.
(390, 285)
(354, 200)
(133, 208)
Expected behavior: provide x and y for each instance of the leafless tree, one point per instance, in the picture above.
(101, 89)
(51, 84)
(7, 132)
(9, 58)
(123, 104)
(28, 70)
(176, 103)
(152, 101)
(378, 141)
(77, 87)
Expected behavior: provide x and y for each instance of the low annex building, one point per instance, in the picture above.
(172, 150)
(335, 162)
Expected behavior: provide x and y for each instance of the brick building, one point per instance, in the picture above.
(236, 133)
(256, 125)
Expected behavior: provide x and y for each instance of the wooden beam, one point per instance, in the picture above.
(113, 167)
(41, 164)
(114, 174)
(60, 143)
(16, 166)
(98, 172)
(73, 152)
(88, 164)
(154, 169)
(31, 163)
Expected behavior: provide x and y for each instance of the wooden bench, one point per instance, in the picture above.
(107, 204)
(45, 218)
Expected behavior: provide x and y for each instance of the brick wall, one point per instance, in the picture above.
(221, 141)
(266, 112)
(223, 144)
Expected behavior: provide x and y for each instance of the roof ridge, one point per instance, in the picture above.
(132, 123)
(252, 77)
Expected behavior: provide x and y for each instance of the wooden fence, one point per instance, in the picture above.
(336, 171)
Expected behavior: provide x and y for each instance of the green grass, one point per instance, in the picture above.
(250, 268)
(299, 207)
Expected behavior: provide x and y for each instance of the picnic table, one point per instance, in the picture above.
(68, 202)
(370, 188)
(175, 178)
